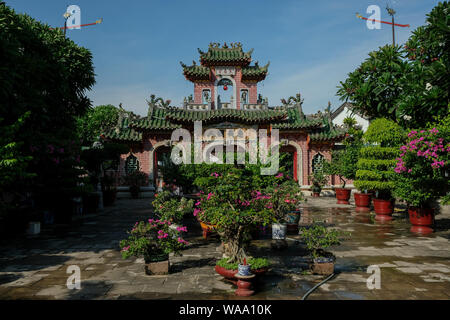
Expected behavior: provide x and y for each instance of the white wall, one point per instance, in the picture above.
(339, 120)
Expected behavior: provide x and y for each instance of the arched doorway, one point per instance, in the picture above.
(225, 93)
(161, 158)
(289, 160)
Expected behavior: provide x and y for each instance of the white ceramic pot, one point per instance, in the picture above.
(279, 231)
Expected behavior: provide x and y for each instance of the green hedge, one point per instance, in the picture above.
(374, 185)
(374, 175)
(373, 164)
(379, 152)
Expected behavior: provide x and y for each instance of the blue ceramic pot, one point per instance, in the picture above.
(244, 270)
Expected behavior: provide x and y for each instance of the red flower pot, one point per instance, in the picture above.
(422, 219)
(342, 195)
(362, 201)
(230, 274)
(383, 209)
(316, 194)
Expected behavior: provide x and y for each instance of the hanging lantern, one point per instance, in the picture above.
(225, 87)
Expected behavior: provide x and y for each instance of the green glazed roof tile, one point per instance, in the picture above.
(225, 56)
(195, 72)
(327, 135)
(123, 132)
(255, 72)
(183, 115)
(297, 120)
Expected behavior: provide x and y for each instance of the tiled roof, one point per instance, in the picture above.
(123, 131)
(327, 135)
(296, 120)
(130, 128)
(195, 72)
(183, 115)
(157, 120)
(255, 72)
(225, 56)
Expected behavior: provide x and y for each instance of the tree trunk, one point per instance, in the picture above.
(233, 247)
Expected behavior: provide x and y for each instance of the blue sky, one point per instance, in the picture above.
(311, 45)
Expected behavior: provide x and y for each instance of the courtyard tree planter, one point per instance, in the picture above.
(383, 209)
(153, 240)
(258, 267)
(422, 174)
(342, 195)
(317, 238)
(422, 219)
(318, 180)
(362, 201)
(157, 265)
(323, 265)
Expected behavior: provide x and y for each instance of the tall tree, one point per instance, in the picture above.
(409, 85)
(46, 75)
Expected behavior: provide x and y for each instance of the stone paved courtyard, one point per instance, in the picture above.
(412, 266)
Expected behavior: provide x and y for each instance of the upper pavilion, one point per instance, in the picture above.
(225, 68)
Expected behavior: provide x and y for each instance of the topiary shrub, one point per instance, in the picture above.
(375, 167)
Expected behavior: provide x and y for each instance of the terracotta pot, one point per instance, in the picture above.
(316, 194)
(362, 201)
(422, 219)
(383, 209)
(323, 268)
(157, 265)
(342, 195)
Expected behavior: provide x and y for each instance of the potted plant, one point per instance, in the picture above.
(362, 201)
(318, 180)
(318, 238)
(283, 198)
(171, 208)
(109, 190)
(420, 173)
(230, 204)
(135, 181)
(376, 165)
(153, 240)
(343, 165)
(258, 266)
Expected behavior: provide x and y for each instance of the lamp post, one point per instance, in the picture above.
(392, 12)
(66, 16)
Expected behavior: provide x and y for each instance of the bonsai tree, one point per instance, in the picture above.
(420, 170)
(377, 161)
(170, 208)
(318, 180)
(135, 180)
(255, 264)
(318, 238)
(153, 240)
(229, 202)
(282, 196)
